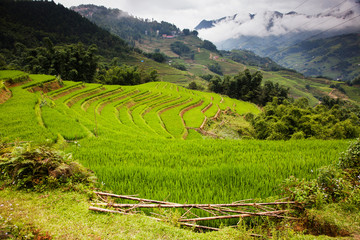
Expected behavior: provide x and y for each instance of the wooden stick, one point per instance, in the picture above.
(177, 205)
(105, 210)
(129, 209)
(232, 216)
(188, 210)
(219, 210)
(132, 198)
(204, 209)
(199, 226)
(188, 224)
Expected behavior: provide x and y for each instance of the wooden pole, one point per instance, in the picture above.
(132, 198)
(105, 210)
(233, 216)
(177, 205)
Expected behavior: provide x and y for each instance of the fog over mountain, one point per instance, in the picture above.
(243, 30)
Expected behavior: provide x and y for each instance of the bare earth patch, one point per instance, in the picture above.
(4, 95)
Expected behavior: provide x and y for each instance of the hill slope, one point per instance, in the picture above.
(28, 22)
(132, 137)
(335, 57)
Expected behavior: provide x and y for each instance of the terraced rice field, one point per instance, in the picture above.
(143, 140)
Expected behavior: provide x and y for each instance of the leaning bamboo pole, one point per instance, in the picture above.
(177, 205)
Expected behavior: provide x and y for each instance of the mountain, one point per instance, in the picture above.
(149, 37)
(28, 22)
(271, 32)
(123, 24)
(336, 57)
(240, 30)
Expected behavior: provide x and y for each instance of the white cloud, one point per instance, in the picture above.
(259, 26)
(188, 13)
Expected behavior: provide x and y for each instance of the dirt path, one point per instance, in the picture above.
(5, 95)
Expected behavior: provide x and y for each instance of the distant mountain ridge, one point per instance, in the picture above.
(123, 24)
(271, 33)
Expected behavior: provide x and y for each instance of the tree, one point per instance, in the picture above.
(209, 46)
(186, 32)
(193, 85)
(179, 48)
(195, 33)
(215, 68)
(158, 57)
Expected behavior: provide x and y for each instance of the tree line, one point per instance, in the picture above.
(74, 62)
(248, 86)
(332, 119)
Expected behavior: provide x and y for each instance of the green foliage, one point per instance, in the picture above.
(40, 168)
(298, 120)
(356, 81)
(332, 185)
(72, 62)
(179, 48)
(215, 68)
(247, 87)
(126, 75)
(13, 76)
(156, 56)
(209, 46)
(186, 32)
(38, 80)
(193, 86)
(207, 77)
(179, 66)
(350, 160)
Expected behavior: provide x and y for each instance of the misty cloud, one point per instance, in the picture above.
(270, 23)
(188, 13)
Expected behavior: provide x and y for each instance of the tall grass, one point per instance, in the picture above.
(201, 171)
(132, 155)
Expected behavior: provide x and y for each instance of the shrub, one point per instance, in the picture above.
(335, 183)
(40, 168)
(350, 159)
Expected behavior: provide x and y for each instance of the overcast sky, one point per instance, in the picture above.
(188, 13)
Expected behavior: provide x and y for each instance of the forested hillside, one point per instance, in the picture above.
(123, 24)
(28, 22)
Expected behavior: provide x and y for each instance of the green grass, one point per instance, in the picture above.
(135, 143)
(65, 215)
(200, 172)
(11, 74)
(20, 121)
(60, 123)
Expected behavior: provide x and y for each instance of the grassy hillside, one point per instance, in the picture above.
(136, 133)
(132, 137)
(310, 87)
